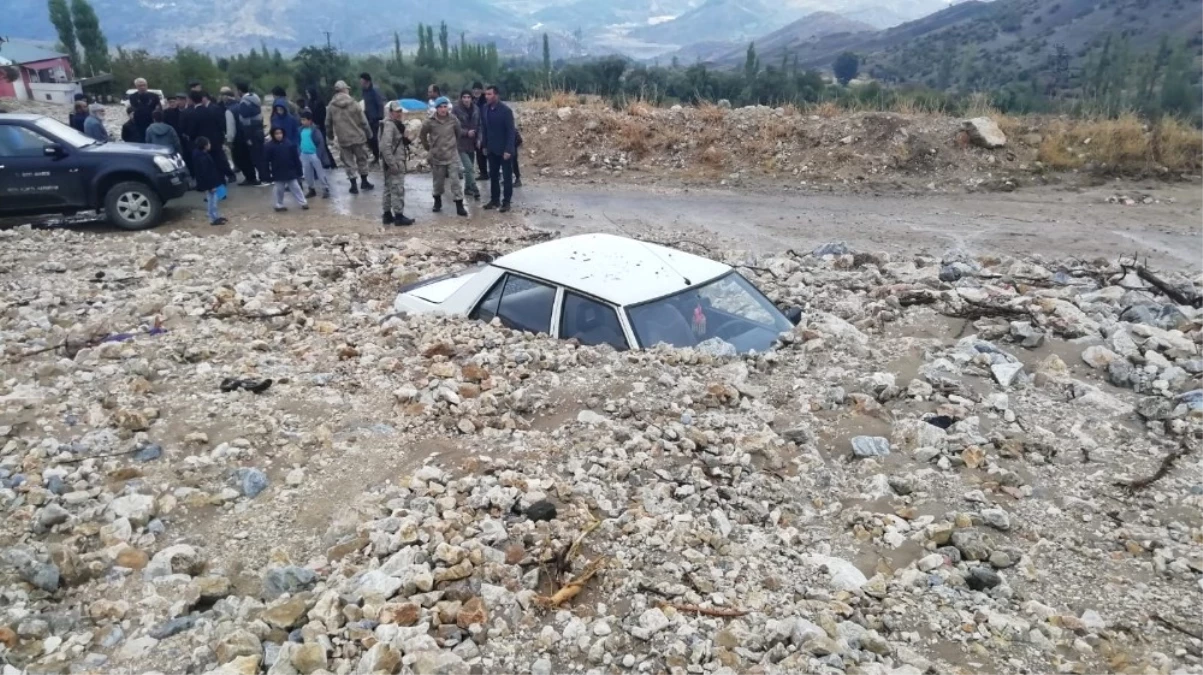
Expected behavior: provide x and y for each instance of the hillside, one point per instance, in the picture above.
(227, 26)
(979, 45)
(742, 20)
(787, 39)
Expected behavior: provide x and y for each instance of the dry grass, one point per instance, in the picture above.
(827, 109)
(634, 136)
(981, 105)
(1178, 146)
(639, 108)
(711, 114)
(563, 99)
(1124, 145)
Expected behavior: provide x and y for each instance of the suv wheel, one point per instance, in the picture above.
(133, 206)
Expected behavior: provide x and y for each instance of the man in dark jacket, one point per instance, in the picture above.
(498, 140)
(239, 151)
(482, 160)
(171, 114)
(250, 116)
(143, 103)
(373, 109)
(469, 121)
(208, 120)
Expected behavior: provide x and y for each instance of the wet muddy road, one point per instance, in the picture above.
(1046, 221)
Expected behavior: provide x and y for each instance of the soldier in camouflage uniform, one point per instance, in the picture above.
(393, 149)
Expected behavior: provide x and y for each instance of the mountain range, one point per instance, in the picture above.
(635, 27)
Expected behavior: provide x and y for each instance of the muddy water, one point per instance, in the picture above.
(1038, 221)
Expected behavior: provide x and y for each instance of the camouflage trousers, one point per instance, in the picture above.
(444, 173)
(393, 197)
(354, 159)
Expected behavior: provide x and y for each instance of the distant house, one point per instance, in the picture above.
(41, 74)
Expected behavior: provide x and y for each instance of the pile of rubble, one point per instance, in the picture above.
(811, 150)
(226, 455)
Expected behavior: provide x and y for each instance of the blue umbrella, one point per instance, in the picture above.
(413, 105)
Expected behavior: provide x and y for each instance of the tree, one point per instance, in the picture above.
(444, 52)
(397, 59)
(91, 38)
(751, 64)
(422, 55)
(60, 16)
(546, 59)
(320, 67)
(845, 67)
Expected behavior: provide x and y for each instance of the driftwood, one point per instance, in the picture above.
(1167, 464)
(572, 588)
(1173, 293)
(706, 611)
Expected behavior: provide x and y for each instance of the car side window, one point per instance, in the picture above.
(487, 309)
(591, 322)
(18, 141)
(526, 304)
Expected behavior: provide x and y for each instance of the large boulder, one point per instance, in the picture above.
(984, 133)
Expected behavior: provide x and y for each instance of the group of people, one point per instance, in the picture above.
(477, 131)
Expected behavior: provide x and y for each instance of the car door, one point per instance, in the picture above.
(591, 322)
(29, 179)
(519, 303)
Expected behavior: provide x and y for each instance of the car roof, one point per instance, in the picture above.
(25, 117)
(615, 269)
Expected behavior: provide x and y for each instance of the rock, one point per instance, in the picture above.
(148, 452)
(378, 585)
(590, 418)
(1005, 373)
(541, 667)
(173, 627)
(308, 657)
(930, 562)
(52, 514)
(997, 518)
(870, 446)
(178, 559)
(137, 508)
(472, 612)
(1099, 357)
(844, 575)
(44, 576)
(972, 545)
(242, 665)
(439, 663)
(288, 613)
(238, 643)
(132, 558)
(541, 510)
(381, 658)
(288, 579)
(213, 587)
(984, 133)
(652, 621)
(250, 481)
(982, 578)
(402, 614)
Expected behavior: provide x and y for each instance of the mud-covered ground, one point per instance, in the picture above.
(978, 452)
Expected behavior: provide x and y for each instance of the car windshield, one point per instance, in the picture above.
(64, 133)
(728, 315)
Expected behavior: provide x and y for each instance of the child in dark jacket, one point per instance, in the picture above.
(207, 177)
(284, 160)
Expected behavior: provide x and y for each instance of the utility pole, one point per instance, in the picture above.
(327, 38)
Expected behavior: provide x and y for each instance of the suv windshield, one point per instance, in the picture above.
(63, 132)
(728, 314)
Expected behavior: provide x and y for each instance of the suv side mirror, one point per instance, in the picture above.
(794, 314)
(53, 150)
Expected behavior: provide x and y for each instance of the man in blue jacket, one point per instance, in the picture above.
(498, 138)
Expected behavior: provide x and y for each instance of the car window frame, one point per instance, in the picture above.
(619, 315)
(49, 140)
(557, 300)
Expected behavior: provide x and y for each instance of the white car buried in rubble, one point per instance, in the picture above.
(604, 289)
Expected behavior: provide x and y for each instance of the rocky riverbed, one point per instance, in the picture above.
(224, 454)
